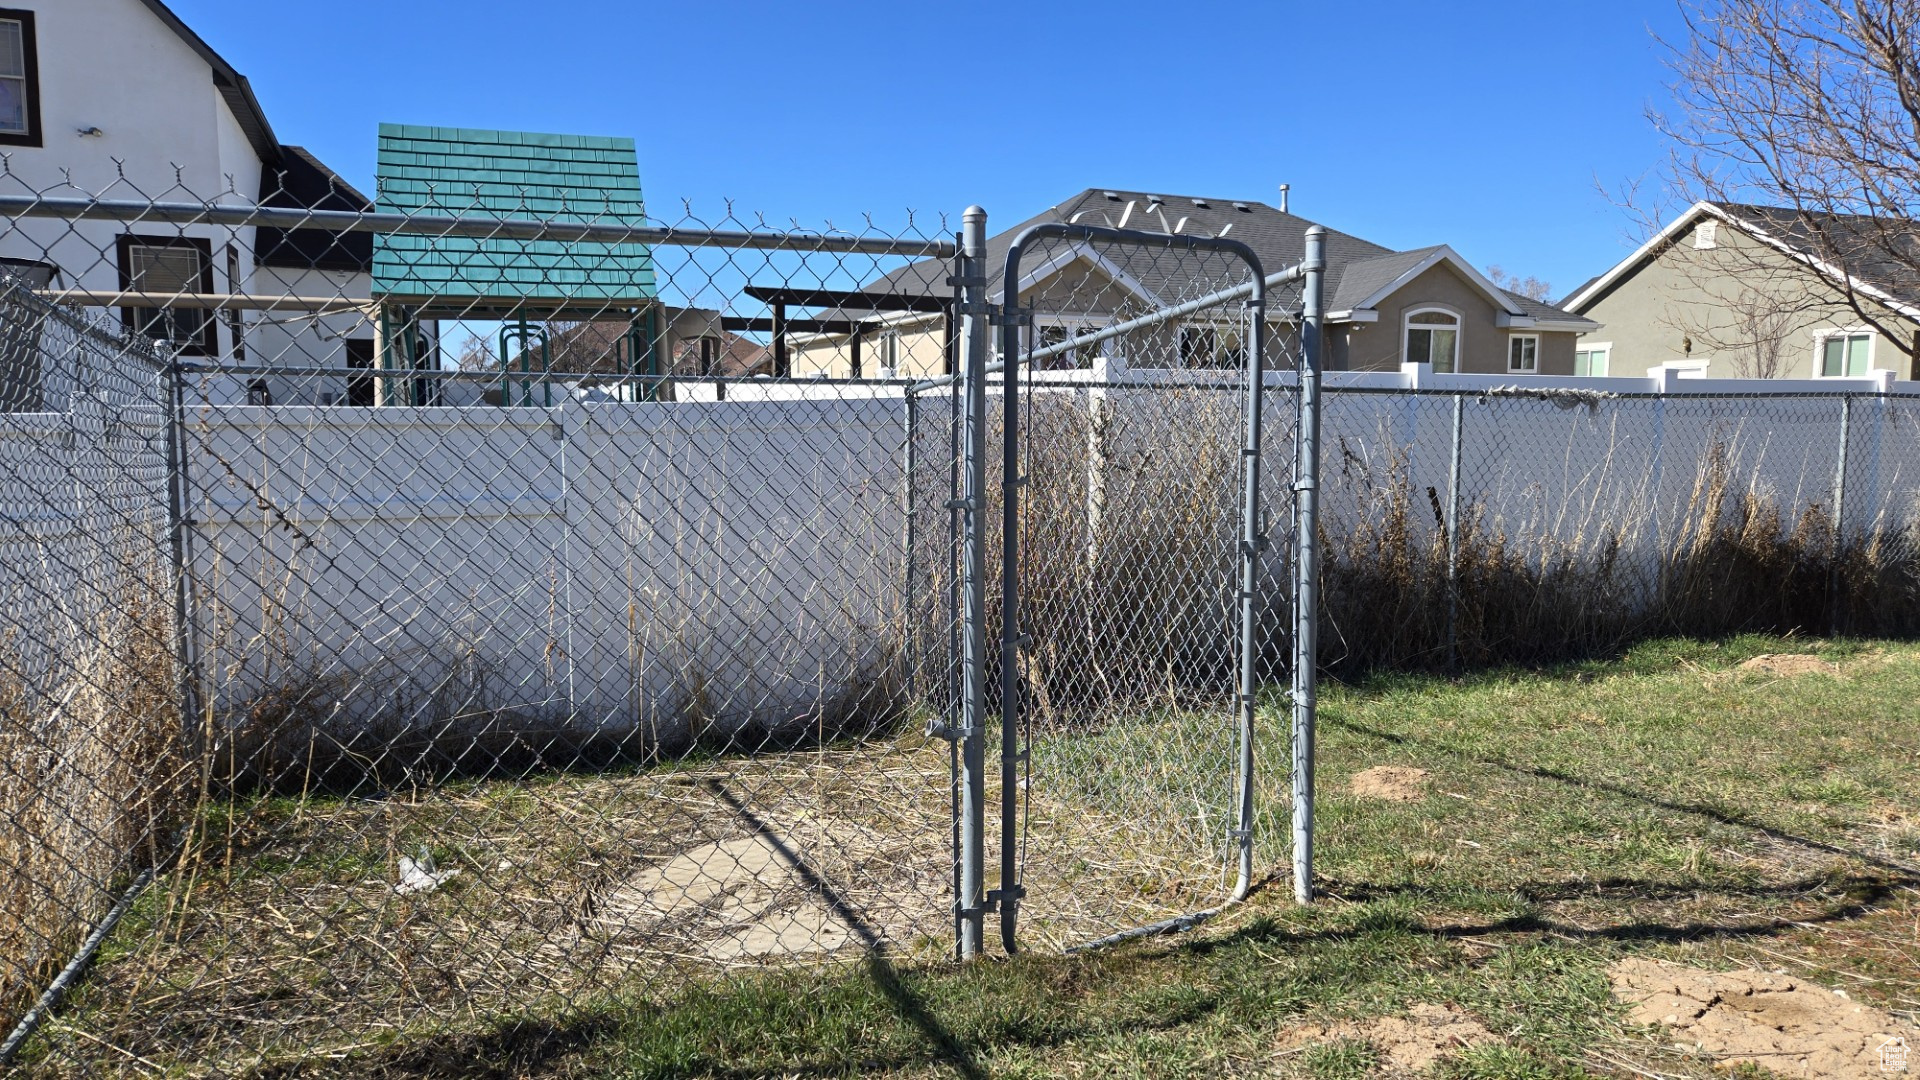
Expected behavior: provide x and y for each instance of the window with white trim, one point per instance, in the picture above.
(169, 266)
(1843, 354)
(1052, 334)
(1523, 354)
(19, 80)
(1592, 360)
(1433, 337)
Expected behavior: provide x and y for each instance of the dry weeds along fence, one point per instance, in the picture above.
(431, 711)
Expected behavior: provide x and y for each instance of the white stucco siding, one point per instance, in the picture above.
(113, 65)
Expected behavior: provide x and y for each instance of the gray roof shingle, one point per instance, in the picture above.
(1356, 268)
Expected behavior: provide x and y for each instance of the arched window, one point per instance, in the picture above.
(1433, 337)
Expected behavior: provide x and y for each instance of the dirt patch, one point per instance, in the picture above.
(732, 899)
(1789, 665)
(1428, 1034)
(1774, 1021)
(1392, 783)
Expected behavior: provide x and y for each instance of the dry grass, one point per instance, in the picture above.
(93, 783)
(284, 937)
(1733, 565)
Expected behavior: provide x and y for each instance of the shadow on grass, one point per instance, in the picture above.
(1711, 813)
(910, 1006)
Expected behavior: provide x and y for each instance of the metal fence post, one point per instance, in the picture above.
(1453, 535)
(908, 465)
(1253, 542)
(1835, 598)
(970, 904)
(1306, 588)
(178, 524)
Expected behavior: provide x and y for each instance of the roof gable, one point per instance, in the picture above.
(1785, 231)
(1277, 237)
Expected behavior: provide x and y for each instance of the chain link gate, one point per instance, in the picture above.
(1132, 529)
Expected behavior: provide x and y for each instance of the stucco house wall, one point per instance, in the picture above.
(1379, 346)
(165, 130)
(1689, 304)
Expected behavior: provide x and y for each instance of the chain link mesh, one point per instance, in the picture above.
(549, 633)
(395, 648)
(1131, 519)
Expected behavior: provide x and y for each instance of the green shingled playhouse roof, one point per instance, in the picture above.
(452, 172)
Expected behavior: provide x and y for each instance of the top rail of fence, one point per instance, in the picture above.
(238, 215)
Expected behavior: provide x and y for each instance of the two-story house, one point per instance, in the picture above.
(119, 99)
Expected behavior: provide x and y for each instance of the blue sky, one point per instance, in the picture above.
(1482, 125)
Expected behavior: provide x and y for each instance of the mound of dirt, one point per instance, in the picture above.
(1790, 665)
(1412, 1043)
(1754, 1017)
(1392, 783)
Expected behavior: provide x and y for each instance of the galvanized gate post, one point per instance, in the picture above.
(970, 904)
(909, 464)
(1306, 587)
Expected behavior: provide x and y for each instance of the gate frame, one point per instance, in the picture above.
(1011, 316)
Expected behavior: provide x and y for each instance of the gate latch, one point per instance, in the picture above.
(940, 729)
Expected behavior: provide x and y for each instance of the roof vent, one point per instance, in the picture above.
(1112, 196)
(1154, 200)
(1243, 208)
(1201, 203)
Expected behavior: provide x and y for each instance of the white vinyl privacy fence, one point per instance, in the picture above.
(609, 654)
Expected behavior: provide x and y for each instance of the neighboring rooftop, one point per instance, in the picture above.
(1356, 268)
(1880, 254)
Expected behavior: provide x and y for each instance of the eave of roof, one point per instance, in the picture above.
(1595, 290)
(232, 85)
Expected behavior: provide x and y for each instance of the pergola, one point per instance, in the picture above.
(779, 299)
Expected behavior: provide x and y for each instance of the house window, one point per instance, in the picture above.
(236, 322)
(167, 266)
(1592, 360)
(1433, 337)
(1844, 353)
(19, 80)
(1523, 354)
(1050, 335)
(1199, 347)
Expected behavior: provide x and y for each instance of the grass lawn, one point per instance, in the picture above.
(1666, 804)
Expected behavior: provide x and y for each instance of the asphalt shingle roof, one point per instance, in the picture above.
(1882, 252)
(1356, 268)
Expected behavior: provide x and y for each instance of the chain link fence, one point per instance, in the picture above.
(419, 622)
(1146, 551)
(1533, 526)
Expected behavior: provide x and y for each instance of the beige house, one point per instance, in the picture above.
(1728, 290)
(1385, 307)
